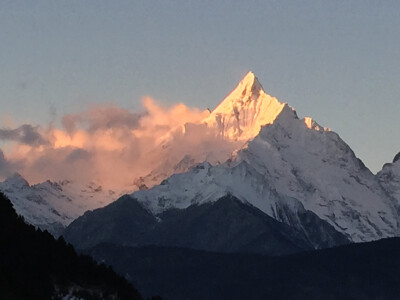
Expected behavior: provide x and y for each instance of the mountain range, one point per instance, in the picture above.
(53, 205)
(246, 214)
(276, 174)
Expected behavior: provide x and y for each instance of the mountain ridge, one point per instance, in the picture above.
(52, 205)
(225, 225)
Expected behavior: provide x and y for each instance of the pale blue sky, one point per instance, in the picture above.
(337, 61)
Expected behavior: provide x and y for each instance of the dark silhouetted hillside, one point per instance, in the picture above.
(33, 265)
(356, 271)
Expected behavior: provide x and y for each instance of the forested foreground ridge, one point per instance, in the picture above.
(33, 265)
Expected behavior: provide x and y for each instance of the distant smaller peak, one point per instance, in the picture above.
(396, 158)
(16, 176)
(312, 124)
(17, 180)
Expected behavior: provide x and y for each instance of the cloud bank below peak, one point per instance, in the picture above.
(104, 143)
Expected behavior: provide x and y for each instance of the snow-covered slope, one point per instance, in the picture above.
(389, 178)
(315, 166)
(215, 151)
(52, 206)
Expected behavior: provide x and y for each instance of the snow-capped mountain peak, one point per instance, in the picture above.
(389, 178)
(16, 181)
(242, 113)
(236, 120)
